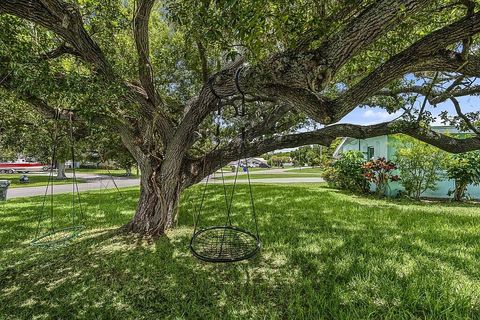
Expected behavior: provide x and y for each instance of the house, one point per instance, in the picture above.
(385, 146)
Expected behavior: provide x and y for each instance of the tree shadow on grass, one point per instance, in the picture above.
(325, 255)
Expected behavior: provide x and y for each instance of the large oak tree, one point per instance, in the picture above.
(158, 72)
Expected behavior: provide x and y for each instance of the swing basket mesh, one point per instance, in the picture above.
(57, 237)
(224, 244)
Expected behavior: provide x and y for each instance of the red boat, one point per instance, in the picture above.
(22, 167)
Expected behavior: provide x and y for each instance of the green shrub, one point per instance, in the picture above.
(464, 169)
(346, 172)
(420, 166)
(330, 173)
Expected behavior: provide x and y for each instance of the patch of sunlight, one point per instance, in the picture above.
(42, 316)
(119, 304)
(277, 260)
(362, 287)
(344, 225)
(272, 268)
(10, 290)
(30, 302)
(379, 302)
(344, 264)
(319, 245)
(402, 269)
(14, 206)
(56, 283)
(407, 267)
(118, 244)
(464, 285)
(177, 234)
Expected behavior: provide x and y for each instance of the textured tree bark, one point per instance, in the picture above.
(157, 208)
(460, 188)
(61, 171)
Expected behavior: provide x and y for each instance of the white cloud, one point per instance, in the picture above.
(378, 115)
(372, 116)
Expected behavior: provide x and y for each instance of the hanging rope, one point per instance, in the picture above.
(74, 174)
(226, 243)
(242, 148)
(57, 236)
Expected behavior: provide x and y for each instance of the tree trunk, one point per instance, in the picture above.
(460, 188)
(157, 208)
(61, 171)
(128, 171)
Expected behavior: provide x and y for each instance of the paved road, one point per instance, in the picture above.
(97, 182)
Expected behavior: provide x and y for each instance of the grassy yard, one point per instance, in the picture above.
(113, 172)
(306, 170)
(325, 255)
(35, 180)
(242, 175)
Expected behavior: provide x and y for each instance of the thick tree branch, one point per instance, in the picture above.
(374, 21)
(295, 76)
(267, 125)
(427, 54)
(60, 51)
(349, 10)
(203, 61)
(324, 136)
(140, 32)
(65, 20)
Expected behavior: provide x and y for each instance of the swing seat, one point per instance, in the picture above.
(224, 244)
(57, 237)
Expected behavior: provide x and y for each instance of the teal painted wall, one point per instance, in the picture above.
(386, 146)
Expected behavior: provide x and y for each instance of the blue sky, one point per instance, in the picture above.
(366, 116)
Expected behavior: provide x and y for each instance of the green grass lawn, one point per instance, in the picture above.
(243, 175)
(260, 169)
(35, 180)
(325, 255)
(306, 170)
(113, 172)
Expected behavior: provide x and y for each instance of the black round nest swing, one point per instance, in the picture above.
(55, 234)
(227, 242)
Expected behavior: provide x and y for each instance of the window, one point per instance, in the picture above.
(370, 152)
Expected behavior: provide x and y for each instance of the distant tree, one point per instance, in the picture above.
(464, 169)
(307, 155)
(102, 145)
(420, 165)
(26, 132)
(279, 160)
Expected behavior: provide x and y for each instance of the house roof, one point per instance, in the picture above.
(336, 153)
